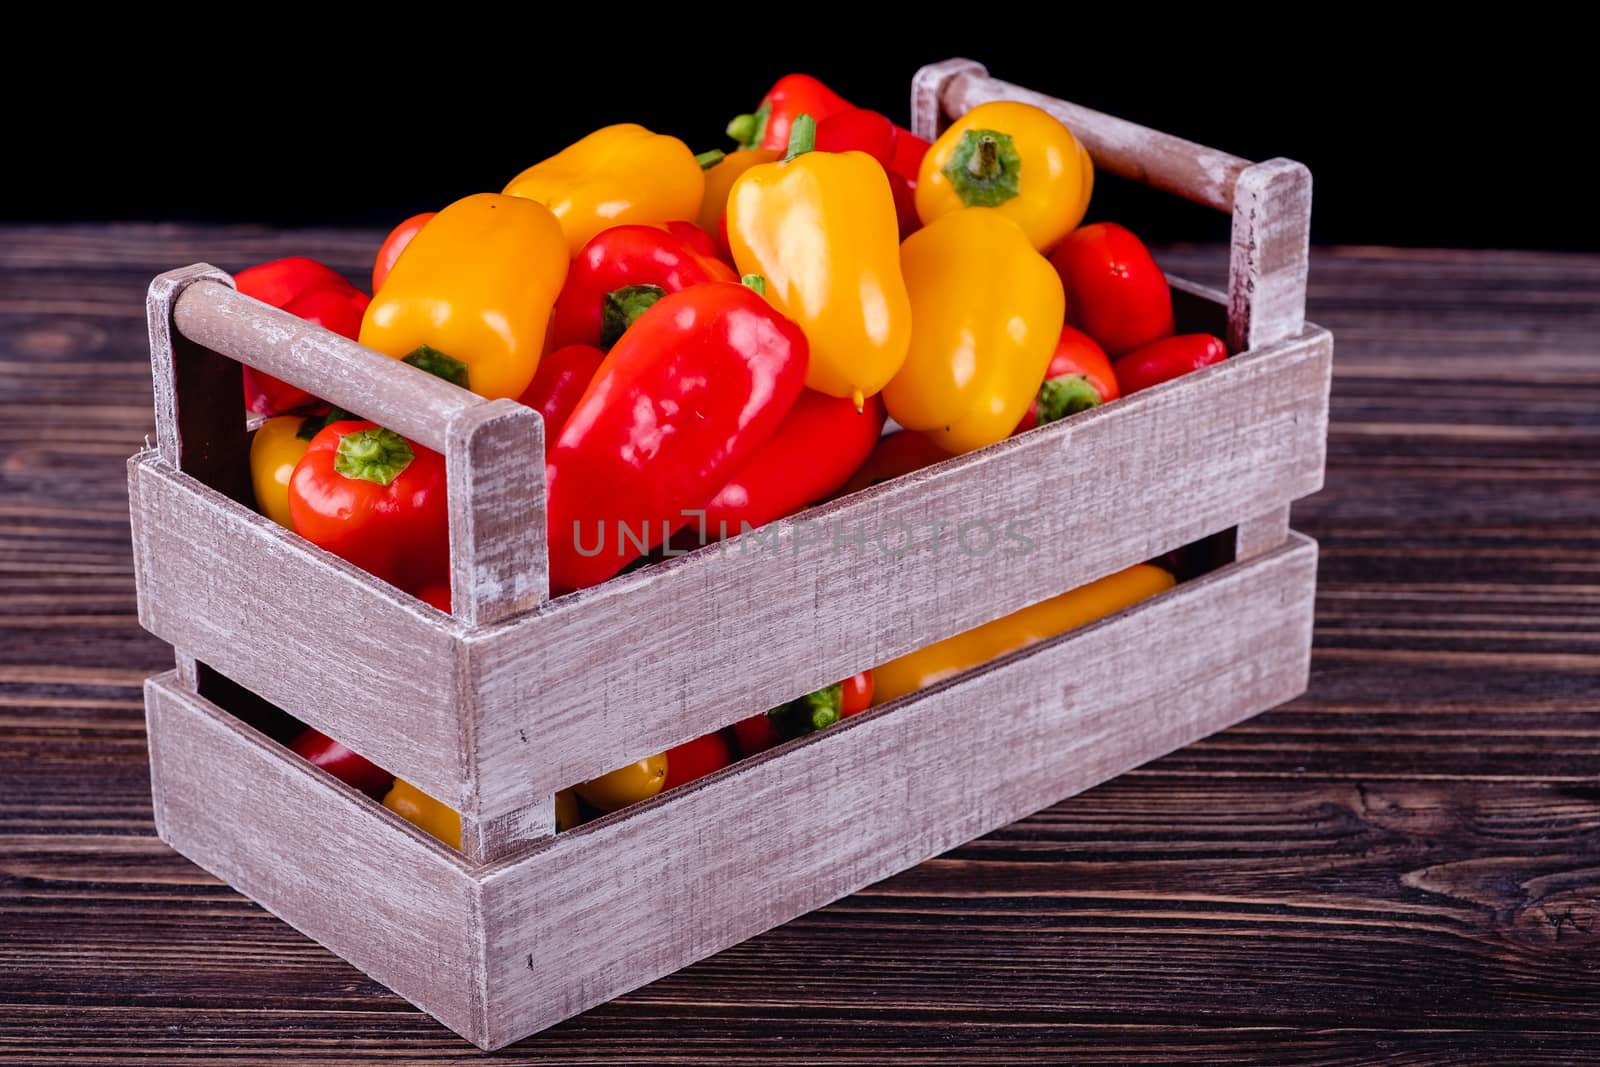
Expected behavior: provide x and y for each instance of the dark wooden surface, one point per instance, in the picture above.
(1401, 867)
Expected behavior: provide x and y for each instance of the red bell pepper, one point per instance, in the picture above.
(619, 273)
(897, 150)
(1079, 377)
(311, 291)
(371, 497)
(559, 384)
(816, 448)
(696, 759)
(682, 401)
(855, 695)
(396, 243)
(899, 453)
(1115, 291)
(697, 239)
(1168, 358)
(352, 769)
(790, 95)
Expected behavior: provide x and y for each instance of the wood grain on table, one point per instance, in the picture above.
(1403, 866)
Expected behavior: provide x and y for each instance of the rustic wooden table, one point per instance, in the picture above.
(1403, 865)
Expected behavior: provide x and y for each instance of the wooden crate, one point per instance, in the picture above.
(516, 696)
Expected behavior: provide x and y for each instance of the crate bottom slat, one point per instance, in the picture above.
(495, 953)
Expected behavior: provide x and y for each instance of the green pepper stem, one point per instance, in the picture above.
(1066, 395)
(802, 136)
(430, 359)
(374, 455)
(985, 169)
(985, 162)
(756, 282)
(707, 160)
(748, 130)
(622, 307)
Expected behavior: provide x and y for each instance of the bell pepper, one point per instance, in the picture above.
(897, 150)
(986, 311)
(626, 785)
(421, 810)
(820, 226)
(1078, 378)
(816, 448)
(618, 274)
(699, 241)
(898, 453)
(559, 384)
(394, 244)
(352, 769)
(1168, 358)
(371, 497)
(791, 96)
(311, 291)
(805, 715)
(1015, 159)
(1039, 622)
(616, 175)
(274, 451)
(697, 758)
(720, 179)
(567, 813)
(1115, 292)
(855, 693)
(694, 387)
(475, 286)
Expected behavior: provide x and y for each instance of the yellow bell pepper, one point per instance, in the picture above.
(1013, 158)
(475, 286)
(616, 175)
(1040, 622)
(419, 809)
(626, 785)
(719, 181)
(986, 312)
(274, 451)
(821, 228)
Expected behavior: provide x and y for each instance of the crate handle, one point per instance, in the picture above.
(201, 328)
(1270, 201)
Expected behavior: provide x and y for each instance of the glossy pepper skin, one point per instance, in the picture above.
(720, 179)
(397, 241)
(820, 227)
(476, 284)
(1039, 622)
(626, 785)
(618, 174)
(897, 150)
(373, 498)
(1078, 378)
(421, 810)
(559, 383)
(349, 767)
(987, 310)
(274, 450)
(816, 448)
(1013, 158)
(619, 273)
(1115, 291)
(694, 387)
(311, 291)
(790, 97)
(1171, 357)
(698, 758)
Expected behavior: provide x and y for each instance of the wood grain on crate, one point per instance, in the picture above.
(728, 858)
(1398, 867)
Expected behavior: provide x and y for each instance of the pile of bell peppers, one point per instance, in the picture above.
(716, 340)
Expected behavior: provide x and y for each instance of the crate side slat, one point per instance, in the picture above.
(315, 853)
(609, 675)
(298, 627)
(775, 838)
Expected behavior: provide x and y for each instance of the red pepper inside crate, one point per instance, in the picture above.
(1169, 358)
(1115, 291)
(309, 290)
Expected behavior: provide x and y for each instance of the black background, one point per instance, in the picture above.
(1413, 140)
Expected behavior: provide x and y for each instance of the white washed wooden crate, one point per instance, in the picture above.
(494, 709)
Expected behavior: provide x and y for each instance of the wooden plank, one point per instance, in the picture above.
(410, 402)
(608, 675)
(775, 837)
(357, 659)
(199, 394)
(1126, 149)
(319, 855)
(1271, 254)
(1257, 535)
